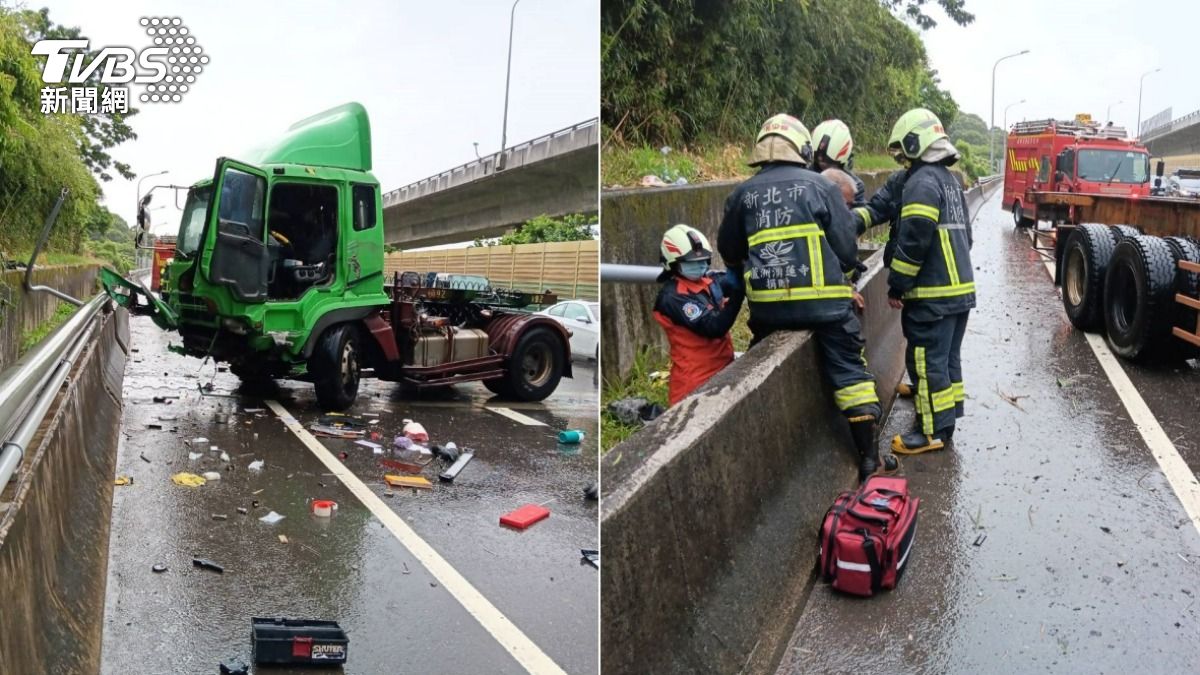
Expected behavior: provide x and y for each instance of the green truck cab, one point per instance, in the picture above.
(278, 271)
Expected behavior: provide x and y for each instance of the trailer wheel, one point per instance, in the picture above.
(1084, 263)
(1123, 231)
(534, 369)
(1138, 296)
(1019, 218)
(1187, 283)
(334, 366)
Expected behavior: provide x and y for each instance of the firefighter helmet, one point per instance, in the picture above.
(833, 141)
(790, 129)
(914, 132)
(683, 243)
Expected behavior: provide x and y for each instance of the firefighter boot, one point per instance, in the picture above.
(863, 429)
(915, 442)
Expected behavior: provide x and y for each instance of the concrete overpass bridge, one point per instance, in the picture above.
(1177, 142)
(554, 174)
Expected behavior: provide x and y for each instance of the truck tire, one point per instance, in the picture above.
(1019, 218)
(1084, 264)
(334, 366)
(1123, 231)
(534, 369)
(1138, 297)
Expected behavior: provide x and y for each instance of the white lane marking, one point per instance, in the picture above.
(514, 415)
(532, 658)
(1183, 482)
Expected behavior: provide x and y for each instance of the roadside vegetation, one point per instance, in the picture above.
(41, 154)
(701, 78)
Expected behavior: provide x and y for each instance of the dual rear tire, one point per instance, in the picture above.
(1124, 283)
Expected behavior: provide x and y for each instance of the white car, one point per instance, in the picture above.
(583, 320)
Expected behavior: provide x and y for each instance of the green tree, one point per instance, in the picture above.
(915, 10)
(572, 227)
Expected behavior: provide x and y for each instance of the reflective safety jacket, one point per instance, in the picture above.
(789, 231)
(883, 207)
(697, 316)
(931, 267)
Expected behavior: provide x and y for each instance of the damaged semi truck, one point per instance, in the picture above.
(278, 270)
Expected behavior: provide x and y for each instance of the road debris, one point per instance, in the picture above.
(323, 508)
(592, 556)
(448, 452)
(419, 482)
(212, 475)
(206, 564)
(979, 540)
(450, 474)
(415, 431)
(164, 399)
(123, 480)
(525, 516)
(592, 491)
(1013, 400)
(256, 465)
(224, 456)
(188, 479)
(283, 539)
(234, 666)
(158, 568)
(634, 411)
(571, 436)
(397, 465)
(243, 510)
(144, 458)
(272, 518)
(220, 516)
(377, 448)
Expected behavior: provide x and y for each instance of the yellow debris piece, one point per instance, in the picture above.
(408, 481)
(188, 479)
(123, 480)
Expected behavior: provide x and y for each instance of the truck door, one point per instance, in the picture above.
(1064, 167)
(239, 255)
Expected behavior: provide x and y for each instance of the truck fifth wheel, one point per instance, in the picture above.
(278, 271)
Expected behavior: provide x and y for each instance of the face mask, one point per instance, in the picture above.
(693, 270)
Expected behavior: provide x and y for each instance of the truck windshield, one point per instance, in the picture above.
(192, 224)
(1117, 166)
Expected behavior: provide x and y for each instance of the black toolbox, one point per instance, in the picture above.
(297, 641)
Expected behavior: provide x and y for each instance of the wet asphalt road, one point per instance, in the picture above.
(348, 568)
(1089, 563)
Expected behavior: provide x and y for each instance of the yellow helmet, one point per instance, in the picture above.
(790, 129)
(833, 141)
(914, 132)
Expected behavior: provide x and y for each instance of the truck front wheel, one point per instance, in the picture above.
(535, 368)
(334, 366)
(1019, 218)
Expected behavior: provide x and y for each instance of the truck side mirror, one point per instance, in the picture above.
(1158, 169)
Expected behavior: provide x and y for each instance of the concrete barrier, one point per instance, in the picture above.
(54, 529)
(709, 514)
(634, 221)
(21, 312)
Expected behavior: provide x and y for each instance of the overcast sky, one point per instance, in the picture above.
(1084, 55)
(431, 75)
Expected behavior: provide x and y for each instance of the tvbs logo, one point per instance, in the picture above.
(167, 70)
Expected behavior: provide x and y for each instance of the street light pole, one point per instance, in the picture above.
(1108, 113)
(992, 111)
(1006, 113)
(507, 78)
(1141, 82)
(139, 183)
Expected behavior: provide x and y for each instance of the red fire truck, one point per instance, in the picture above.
(1070, 156)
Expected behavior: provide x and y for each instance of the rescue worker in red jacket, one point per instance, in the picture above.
(696, 309)
(931, 278)
(790, 231)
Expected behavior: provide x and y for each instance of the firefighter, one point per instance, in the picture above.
(835, 150)
(930, 277)
(696, 309)
(788, 231)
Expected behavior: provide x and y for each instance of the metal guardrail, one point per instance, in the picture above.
(28, 388)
